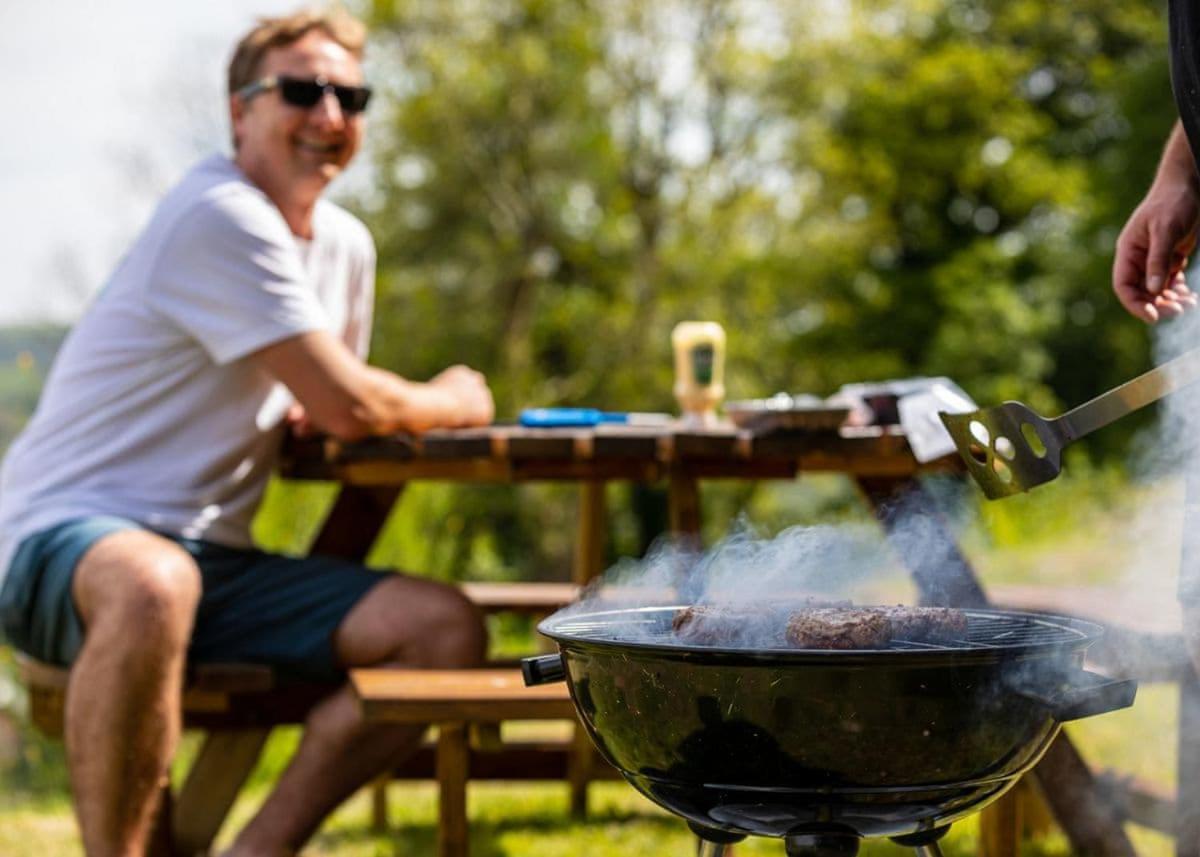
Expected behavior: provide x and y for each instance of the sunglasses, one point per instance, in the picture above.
(299, 92)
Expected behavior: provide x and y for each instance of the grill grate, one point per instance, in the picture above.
(986, 630)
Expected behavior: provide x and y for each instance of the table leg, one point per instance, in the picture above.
(1000, 827)
(920, 535)
(593, 529)
(216, 776)
(355, 520)
(453, 757)
(1187, 798)
(683, 506)
(1067, 783)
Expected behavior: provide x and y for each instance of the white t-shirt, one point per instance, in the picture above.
(152, 410)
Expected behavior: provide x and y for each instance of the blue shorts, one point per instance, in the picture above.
(255, 607)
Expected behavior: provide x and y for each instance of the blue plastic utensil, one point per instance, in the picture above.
(576, 417)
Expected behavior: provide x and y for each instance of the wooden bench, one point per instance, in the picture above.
(454, 700)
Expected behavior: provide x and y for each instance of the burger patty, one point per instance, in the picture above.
(833, 628)
(758, 624)
(927, 624)
(816, 625)
(712, 625)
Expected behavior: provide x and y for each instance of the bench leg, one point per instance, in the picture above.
(221, 767)
(379, 806)
(579, 771)
(453, 759)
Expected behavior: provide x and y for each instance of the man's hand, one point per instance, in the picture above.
(1152, 252)
(298, 422)
(469, 388)
(1153, 248)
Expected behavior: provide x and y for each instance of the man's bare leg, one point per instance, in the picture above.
(401, 622)
(137, 595)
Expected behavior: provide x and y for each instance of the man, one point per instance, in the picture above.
(125, 505)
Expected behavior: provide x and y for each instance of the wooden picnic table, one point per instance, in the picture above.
(374, 472)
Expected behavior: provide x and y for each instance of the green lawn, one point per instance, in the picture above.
(1071, 540)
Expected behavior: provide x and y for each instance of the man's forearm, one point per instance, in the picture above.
(1177, 165)
(391, 403)
(349, 399)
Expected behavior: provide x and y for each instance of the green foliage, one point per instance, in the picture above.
(902, 187)
(25, 357)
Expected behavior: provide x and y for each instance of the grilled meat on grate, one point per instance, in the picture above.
(926, 624)
(761, 623)
(816, 625)
(833, 628)
(708, 625)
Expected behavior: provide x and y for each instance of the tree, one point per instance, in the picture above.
(884, 189)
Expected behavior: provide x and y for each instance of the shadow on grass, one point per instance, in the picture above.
(487, 835)
(646, 833)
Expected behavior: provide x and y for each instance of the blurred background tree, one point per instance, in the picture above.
(857, 190)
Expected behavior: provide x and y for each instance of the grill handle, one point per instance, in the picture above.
(1080, 694)
(543, 669)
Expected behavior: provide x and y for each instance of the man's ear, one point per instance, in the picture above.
(237, 109)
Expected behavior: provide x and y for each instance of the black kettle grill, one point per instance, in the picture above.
(824, 748)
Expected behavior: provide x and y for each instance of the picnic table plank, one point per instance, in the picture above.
(483, 695)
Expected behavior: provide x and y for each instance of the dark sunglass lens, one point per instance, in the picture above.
(300, 93)
(352, 99)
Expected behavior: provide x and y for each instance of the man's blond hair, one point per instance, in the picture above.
(271, 33)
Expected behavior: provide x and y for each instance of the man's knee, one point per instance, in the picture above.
(414, 622)
(455, 632)
(141, 581)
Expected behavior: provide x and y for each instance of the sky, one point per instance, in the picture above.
(105, 104)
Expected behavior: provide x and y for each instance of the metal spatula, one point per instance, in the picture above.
(1010, 448)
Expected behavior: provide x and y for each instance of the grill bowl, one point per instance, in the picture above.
(786, 742)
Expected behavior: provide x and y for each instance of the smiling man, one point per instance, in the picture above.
(125, 505)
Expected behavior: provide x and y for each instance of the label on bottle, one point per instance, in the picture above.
(702, 363)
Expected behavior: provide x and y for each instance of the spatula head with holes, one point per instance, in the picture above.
(1008, 449)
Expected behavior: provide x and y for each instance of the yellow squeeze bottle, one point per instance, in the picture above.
(699, 369)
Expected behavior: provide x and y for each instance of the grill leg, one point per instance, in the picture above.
(706, 848)
(930, 850)
(711, 842)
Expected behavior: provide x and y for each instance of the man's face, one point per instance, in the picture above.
(293, 152)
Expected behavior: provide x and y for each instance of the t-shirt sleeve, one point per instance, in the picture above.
(361, 297)
(230, 275)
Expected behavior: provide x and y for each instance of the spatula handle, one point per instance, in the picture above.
(1141, 391)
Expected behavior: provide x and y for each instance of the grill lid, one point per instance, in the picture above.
(989, 632)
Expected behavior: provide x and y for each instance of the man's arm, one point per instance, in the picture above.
(1154, 245)
(350, 400)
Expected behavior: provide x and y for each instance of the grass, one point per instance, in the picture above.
(1070, 539)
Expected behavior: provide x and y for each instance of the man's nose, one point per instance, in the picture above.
(328, 110)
